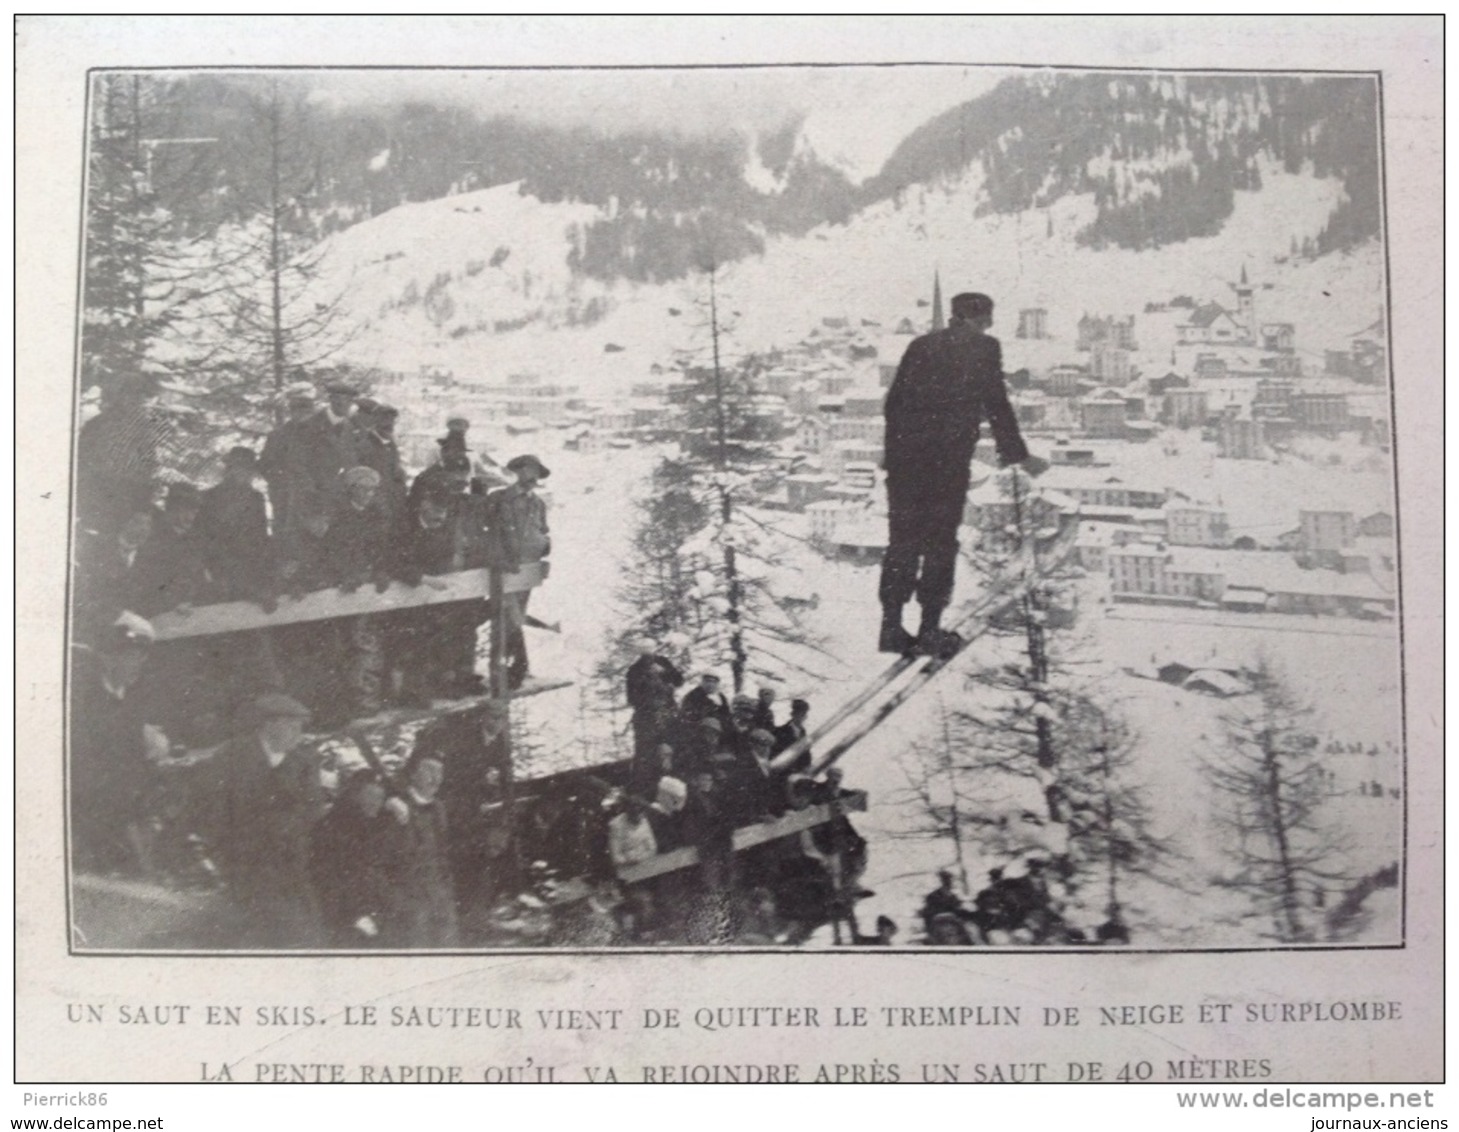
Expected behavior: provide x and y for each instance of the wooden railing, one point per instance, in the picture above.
(747, 837)
(243, 616)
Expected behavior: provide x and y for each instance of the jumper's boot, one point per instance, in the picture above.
(933, 640)
(894, 638)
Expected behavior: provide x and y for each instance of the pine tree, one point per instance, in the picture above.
(138, 279)
(1112, 836)
(1274, 788)
(703, 582)
(277, 316)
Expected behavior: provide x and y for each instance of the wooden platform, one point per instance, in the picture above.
(320, 605)
(747, 837)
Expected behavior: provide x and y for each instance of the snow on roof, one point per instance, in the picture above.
(1217, 681)
(1273, 572)
(1070, 477)
(1206, 314)
(1140, 550)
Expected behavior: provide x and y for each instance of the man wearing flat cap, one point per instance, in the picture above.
(264, 797)
(516, 535)
(109, 773)
(948, 383)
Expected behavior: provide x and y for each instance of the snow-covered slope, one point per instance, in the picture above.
(481, 283)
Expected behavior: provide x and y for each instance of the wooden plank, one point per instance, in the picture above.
(747, 837)
(242, 616)
(397, 717)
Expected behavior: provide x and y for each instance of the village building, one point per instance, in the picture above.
(1066, 455)
(1033, 322)
(1099, 488)
(1184, 408)
(1102, 414)
(1031, 409)
(1279, 337)
(1211, 324)
(990, 507)
(1111, 364)
(1095, 331)
(1171, 380)
(1320, 410)
(1194, 524)
(838, 455)
(861, 428)
(1065, 380)
(1242, 438)
(1254, 581)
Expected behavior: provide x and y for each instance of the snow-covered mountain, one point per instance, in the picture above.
(482, 283)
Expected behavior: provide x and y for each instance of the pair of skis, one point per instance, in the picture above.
(973, 623)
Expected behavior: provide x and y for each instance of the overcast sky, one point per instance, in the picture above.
(855, 115)
(695, 100)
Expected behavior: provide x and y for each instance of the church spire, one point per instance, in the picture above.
(938, 322)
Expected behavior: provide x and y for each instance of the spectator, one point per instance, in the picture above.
(106, 568)
(518, 535)
(435, 645)
(790, 741)
(765, 709)
(941, 900)
(424, 896)
(351, 860)
(945, 929)
(336, 434)
(109, 749)
(297, 464)
(376, 448)
(651, 680)
(450, 477)
(630, 836)
(709, 826)
(358, 548)
(170, 572)
(265, 799)
(232, 527)
(705, 700)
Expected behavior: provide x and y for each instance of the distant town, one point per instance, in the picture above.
(1140, 457)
